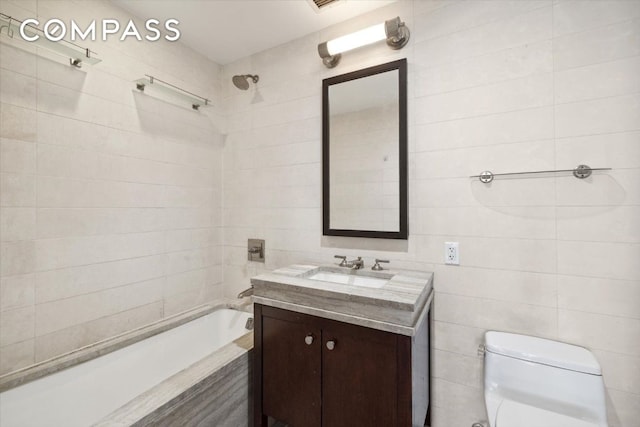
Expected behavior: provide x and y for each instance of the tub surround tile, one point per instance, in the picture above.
(17, 123)
(18, 58)
(75, 251)
(76, 222)
(17, 258)
(108, 180)
(17, 291)
(16, 356)
(18, 89)
(17, 190)
(16, 325)
(221, 395)
(64, 313)
(17, 156)
(17, 224)
(69, 282)
(65, 340)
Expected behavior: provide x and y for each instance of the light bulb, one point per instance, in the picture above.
(359, 38)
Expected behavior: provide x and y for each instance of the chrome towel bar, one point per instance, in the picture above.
(580, 172)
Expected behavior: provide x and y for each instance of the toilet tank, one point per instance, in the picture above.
(548, 374)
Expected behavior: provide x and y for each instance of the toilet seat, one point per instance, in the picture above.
(515, 414)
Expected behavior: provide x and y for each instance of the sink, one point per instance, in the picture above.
(348, 279)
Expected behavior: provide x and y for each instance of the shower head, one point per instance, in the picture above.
(242, 81)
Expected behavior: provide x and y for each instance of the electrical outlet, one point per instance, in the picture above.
(451, 253)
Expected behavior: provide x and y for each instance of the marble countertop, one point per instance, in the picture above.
(394, 307)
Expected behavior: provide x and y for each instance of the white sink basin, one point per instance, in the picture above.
(349, 279)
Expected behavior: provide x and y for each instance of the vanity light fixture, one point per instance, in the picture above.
(394, 31)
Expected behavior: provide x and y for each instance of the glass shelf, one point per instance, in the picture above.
(196, 101)
(10, 27)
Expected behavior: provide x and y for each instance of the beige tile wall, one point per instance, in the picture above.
(499, 85)
(110, 200)
(117, 208)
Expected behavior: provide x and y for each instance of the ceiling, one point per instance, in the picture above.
(227, 30)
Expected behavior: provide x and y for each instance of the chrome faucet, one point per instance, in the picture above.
(356, 264)
(246, 292)
(343, 263)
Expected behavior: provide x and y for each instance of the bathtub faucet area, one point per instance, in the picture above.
(246, 293)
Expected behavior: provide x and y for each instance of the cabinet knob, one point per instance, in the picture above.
(309, 339)
(331, 344)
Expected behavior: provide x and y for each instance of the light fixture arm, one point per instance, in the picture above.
(393, 30)
(397, 33)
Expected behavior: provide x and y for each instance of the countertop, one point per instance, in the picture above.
(398, 306)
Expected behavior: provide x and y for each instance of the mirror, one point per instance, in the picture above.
(364, 152)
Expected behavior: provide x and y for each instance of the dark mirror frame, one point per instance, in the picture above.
(401, 66)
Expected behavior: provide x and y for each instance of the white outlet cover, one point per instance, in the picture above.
(451, 253)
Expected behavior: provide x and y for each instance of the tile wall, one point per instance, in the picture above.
(110, 200)
(498, 85)
(113, 211)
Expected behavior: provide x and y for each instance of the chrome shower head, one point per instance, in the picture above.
(242, 81)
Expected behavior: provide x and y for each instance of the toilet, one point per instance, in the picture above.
(535, 382)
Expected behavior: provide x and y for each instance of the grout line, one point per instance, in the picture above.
(555, 180)
(600, 98)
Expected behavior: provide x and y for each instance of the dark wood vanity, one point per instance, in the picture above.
(311, 371)
(341, 347)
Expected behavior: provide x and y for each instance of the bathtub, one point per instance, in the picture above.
(190, 370)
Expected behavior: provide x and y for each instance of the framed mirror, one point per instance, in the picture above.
(364, 152)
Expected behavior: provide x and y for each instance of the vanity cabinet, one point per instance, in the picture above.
(315, 372)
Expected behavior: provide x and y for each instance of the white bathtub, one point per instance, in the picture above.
(89, 392)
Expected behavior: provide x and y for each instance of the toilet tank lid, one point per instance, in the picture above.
(544, 351)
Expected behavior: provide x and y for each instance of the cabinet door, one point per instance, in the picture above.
(359, 377)
(291, 371)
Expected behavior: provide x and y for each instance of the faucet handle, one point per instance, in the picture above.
(343, 263)
(377, 266)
